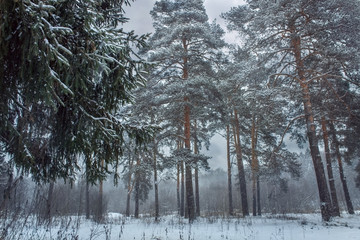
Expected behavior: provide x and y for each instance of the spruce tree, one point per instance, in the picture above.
(66, 70)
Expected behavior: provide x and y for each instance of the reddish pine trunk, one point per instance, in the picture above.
(240, 164)
(325, 202)
(190, 205)
(335, 204)
(348, 201)
(254, 164)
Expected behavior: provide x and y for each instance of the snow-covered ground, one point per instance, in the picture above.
(270, 227)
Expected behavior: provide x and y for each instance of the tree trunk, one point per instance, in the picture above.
(49, 202)
(130, 186)
(6, 196)
(128, 198)
(87, 199)
(335, 204)
(258, 196)
(348, 201)
(231, 208)
(178, 187)
(80, 187)
(188, 174)
(197, 191)
(240, 164)
(99, 216)
(190, 204)
(182, 186)
(254, 164)
(128, 195)
(100, 207)
(156, 185)
(325, 202)
(136, 212)
(87, 188)
(137, 189)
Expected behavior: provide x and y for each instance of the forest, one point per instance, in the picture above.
(104, 124)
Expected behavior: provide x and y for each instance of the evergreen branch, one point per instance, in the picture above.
(338, 97)
(285, 131)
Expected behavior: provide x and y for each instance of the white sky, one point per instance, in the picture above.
(141, 22)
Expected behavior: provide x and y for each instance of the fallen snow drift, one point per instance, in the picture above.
(269, 227)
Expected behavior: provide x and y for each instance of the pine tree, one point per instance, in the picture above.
(182, 43)
(296, 39)
(261, 122)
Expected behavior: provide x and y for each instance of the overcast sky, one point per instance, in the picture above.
(141, 22)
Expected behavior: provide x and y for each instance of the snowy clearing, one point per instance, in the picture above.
(270, 227)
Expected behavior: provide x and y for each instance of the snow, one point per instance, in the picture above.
(55, 76)
(270, 227)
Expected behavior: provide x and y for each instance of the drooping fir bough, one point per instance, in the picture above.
(66, 70)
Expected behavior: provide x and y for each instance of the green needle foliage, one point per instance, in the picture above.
(67, 70)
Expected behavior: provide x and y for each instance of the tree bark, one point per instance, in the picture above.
(196, 177)
(182, 190)
(6, 196)
(137, 189)
(334, 200)
(229, 175)
(87, 199)
(156, 185)
(49, 202)
(178, 187)
(258, 196)
(188, 173)
(128, 202)
(100, 199)
(348, 201)
(189, 193)
(87, 190)
(254, 164)
(240, 164)
(130, 186)
(197, 191)
(325, 202)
